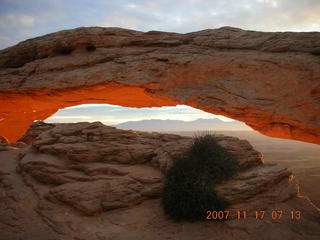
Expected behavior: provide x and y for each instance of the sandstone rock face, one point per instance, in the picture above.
(270, 81)
(90, 181)
(11, 146)
(35, 130)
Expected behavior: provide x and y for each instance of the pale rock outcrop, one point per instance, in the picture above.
(91, 181)
(269, 80)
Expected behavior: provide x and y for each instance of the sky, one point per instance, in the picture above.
(24, 19)
(112, 114)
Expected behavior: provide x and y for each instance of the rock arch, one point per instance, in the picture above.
(269, 80)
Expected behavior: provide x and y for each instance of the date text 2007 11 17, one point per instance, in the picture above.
(258, 214)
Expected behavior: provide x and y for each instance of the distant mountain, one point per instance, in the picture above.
(179, 125)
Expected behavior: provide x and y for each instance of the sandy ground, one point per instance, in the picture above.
(303, 159)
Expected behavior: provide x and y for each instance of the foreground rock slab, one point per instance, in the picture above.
(269, 80)
(91, 181)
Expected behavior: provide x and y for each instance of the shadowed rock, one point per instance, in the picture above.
(91, 181)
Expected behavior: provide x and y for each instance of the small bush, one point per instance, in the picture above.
(189, 188)
(64, 50)
(90, 48)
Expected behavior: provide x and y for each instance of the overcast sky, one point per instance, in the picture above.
(24, 19)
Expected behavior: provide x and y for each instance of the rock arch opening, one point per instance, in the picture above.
(179, 119)
(20, 110)
(153, 119)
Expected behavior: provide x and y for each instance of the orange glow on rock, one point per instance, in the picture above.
(20, 110)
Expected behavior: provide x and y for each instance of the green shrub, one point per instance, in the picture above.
(189, 188)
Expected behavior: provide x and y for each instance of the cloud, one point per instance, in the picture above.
(70, 117)
(112, 114)
(4, 38)
(124, 21)
(192, 15)
(20, 20)
(16, 20)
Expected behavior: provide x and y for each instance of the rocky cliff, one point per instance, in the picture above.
(91, 181)
(269, 80)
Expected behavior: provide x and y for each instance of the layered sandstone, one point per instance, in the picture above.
(91, 181)
(35, 130)
(269, 80)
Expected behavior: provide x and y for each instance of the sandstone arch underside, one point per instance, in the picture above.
(270, 81)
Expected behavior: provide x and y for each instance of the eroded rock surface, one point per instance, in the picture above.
(269, 80)
(91, 181)
(35, 130)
